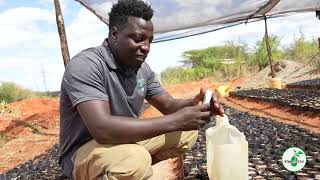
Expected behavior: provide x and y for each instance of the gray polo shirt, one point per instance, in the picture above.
(93, 74)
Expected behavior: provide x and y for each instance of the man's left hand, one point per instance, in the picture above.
(216, 108)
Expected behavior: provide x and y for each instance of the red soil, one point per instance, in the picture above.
(27, 129)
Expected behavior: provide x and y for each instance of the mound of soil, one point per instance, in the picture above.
(287, 71)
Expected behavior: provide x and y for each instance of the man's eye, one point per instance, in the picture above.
(137, 40)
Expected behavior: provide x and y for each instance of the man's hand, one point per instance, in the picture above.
(191, 117)
(215, 107)
(199, 97)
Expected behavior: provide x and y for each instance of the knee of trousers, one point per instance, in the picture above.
(130, 161)
(188, 140)
(137, 162)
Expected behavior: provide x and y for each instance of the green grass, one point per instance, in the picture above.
(11, 92)
(180, 75)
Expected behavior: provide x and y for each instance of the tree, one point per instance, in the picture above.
(213, 56)
(204, 61)
(210, 60)
(302, 50)
(261, 55)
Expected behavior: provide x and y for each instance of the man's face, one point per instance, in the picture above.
(133, 42)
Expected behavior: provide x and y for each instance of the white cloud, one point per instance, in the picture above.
(20, 25)
(50, 40)
(24, 15)
(307, 23)
(86, 30)
(28, 72)
(63, 3)
(103, 9)
(85, 23)
(42, 44)
(48, 1)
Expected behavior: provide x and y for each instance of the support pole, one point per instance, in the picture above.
(62, 33)
(318, 16)
(268, 48)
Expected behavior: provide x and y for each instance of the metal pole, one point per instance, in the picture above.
(62, 33)
(268, 47)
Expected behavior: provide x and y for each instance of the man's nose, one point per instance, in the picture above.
(145, 48)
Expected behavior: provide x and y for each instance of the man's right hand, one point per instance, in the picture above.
(191, 117)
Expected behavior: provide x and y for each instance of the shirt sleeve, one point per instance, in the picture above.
(154, 87)
(84, 78)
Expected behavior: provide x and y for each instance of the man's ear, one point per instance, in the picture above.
(114, 33)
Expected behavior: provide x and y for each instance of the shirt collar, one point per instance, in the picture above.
(108, 56)
(111, 62)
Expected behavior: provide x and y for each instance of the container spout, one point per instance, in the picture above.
(222, 120)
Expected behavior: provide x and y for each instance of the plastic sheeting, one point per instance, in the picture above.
(182, 18)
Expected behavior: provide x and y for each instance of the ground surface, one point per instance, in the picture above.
(29, 128)
(308, 120)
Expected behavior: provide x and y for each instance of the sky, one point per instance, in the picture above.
(30, 46)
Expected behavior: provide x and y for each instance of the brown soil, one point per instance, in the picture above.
(28, 128)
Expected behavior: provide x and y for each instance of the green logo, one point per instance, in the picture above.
(140, 85)
(294, 159)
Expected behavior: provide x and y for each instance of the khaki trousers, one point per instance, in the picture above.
(129, 161)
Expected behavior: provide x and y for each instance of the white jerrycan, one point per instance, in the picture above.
(227, 151)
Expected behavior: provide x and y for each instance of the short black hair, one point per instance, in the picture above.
(120, 12)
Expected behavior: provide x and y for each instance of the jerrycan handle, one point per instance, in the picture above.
(222, 120)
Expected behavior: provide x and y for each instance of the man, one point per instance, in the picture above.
(102, 93)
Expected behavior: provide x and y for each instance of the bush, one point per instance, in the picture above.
(10, 92)
(175, 75)
(302, 50)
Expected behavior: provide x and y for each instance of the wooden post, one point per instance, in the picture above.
(62, 33)
(268, 48)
